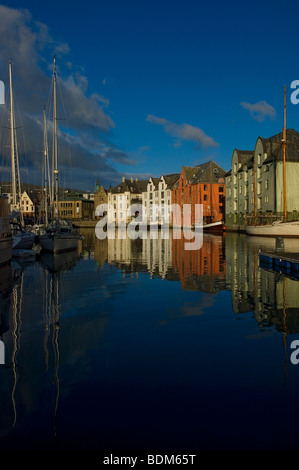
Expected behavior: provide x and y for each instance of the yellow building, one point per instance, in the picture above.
(76, 208)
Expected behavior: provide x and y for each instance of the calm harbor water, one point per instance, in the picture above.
(139, 344)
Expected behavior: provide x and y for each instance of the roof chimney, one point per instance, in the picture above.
(136, 179)
(124, 179)
(132, 179)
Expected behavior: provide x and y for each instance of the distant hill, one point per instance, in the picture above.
(5, 187)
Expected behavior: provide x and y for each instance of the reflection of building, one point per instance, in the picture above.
(157, 255)
(202, 269)
(273, 298)
(202, 184)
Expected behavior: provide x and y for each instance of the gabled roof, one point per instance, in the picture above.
(171, 179)
(274, 146)
(155, 181)
(134, 187)
(208, 172)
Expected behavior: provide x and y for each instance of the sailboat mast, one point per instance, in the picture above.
(12, 143)
(55, 172)
(46, 168)
(15, 169)
(284, 141)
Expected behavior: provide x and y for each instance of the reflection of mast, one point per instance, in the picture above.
(51, 315)
(17, 308)
(56, 314)
(284, 334)
(47, 292)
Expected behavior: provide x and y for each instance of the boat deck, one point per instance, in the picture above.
(286, 263)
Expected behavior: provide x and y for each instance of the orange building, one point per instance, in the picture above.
(203, 184)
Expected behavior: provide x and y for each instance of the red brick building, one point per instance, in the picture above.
(203, 184)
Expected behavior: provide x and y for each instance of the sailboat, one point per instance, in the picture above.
(279, 228)
(22, 239)
(59, 235)
(6, 239)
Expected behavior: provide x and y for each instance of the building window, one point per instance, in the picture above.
(220, 189)
(205, 197)
(205, 187)
(267, 184)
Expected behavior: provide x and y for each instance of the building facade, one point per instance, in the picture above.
(157, 200)
(100, 197)
(76, 208)
(255, 190)
(122, 199)
(203, 184)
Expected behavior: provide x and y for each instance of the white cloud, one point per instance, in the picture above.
(184, 132)
(260, 110)
(31, 48)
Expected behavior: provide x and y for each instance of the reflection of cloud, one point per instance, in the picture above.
(184, 132)
(189, 309)
(196, 309)
(260, 110)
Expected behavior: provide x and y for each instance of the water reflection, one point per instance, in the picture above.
(229, 262)
(75, 335)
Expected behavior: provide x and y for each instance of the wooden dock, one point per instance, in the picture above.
(286, 263)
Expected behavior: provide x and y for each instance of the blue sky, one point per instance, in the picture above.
(151, 85)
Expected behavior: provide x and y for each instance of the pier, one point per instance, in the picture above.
(286, 263)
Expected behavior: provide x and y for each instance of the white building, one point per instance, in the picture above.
(122, 199)
(157, 199)
(30, 200)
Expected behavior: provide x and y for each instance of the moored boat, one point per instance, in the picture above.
(60, 235)
(22, 239)
(277, 229)
(6, 239)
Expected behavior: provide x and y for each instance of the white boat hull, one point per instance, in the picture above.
(212, 227)
(57, 243)
(277, 229)
(23, 241)
(5, 250)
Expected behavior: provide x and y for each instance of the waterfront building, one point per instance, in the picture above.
(31, 203)
(157, 201)
(254, 185)
(76, 207)
(122, 199)
(202, 184)
(100, 197)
